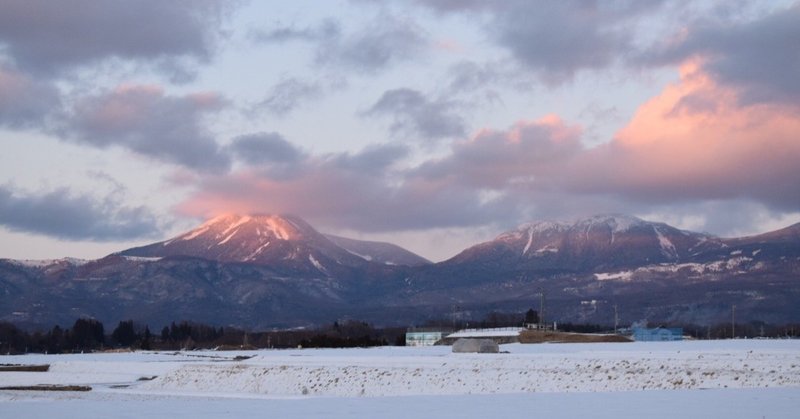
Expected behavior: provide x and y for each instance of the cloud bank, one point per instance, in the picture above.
(65, 215)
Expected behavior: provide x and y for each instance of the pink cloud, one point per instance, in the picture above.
(695, 140)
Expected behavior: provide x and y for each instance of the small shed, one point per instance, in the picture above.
(659, 334)
(478, 346)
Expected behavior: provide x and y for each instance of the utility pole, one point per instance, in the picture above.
(733, 321)
(616, 319)
(542, 324)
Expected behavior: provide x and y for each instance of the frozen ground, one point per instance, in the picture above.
(745, 378)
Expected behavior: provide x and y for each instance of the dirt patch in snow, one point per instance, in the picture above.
(537, 336)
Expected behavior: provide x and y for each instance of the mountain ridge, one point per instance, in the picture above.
(278, 271)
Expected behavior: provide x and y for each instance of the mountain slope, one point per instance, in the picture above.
(600, 242)
(379, 252)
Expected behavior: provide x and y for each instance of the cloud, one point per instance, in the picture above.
(558, 39)
(369, 49)
(693, 142)
(375, 47)
(693, 149)
(759, 57)
(690, 148)
(25, 102)
(499, 159)
(265, 148)
(63, 215)
(468, 76)
(696, 140)
(414, 115)
(372, 159)
(146, 120)
(328, 29)
(46, 37)
(347, 190)
(288, 94)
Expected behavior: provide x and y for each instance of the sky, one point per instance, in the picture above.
(431, 124)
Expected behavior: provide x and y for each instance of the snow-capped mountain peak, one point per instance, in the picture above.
(618, 223)
(598, 241)
(278, 240)
(225, 227)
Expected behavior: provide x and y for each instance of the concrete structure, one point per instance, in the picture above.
(642, 334)
(481, 346)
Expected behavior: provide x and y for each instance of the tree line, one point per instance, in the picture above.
(91, 335)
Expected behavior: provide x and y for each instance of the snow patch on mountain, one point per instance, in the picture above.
(530, 240)
(667, 248)
(257, 251)
(317, 264)
(547, 249)
(237, 223)
(618, 223)
(733, 265)
(278, 230)
(42, 263)
(142, 258)
(365, 257)
(619, 276)
(226, 239)
(192, 234)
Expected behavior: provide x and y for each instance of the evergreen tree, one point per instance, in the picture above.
(124, 334)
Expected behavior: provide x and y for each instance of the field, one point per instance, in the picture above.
(742, 378)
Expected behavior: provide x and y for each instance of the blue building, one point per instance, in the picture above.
(660, 334)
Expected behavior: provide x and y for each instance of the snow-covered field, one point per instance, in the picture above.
(743, 378)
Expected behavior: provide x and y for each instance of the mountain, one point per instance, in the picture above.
(283, 241)
(379, 252)
(649, 270)
(596, 243)
(262, 271)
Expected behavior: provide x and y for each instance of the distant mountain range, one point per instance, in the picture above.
(264, 271)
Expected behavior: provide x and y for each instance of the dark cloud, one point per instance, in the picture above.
(149, 122)
(557, 39)
(25, 102)
(64, 215)
(760, 57)
(415, 115)
(265, 148)
(288, 94)
(46, 37)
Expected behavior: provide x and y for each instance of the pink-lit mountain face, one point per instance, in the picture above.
(274, 240)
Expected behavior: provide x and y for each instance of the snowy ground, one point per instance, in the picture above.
(745, 378)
